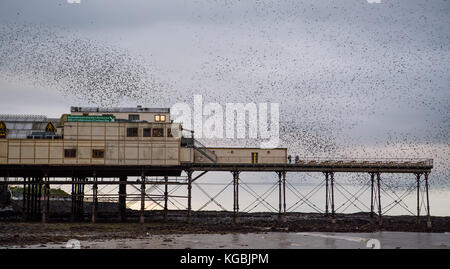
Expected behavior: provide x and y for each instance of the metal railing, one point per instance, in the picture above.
(364, 161)
(323, 161)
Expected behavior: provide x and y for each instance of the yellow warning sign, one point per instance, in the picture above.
(3, 129)
(50, 128)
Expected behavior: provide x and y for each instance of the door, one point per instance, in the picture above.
(254, 157)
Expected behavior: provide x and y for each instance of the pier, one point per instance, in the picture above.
(37, 180)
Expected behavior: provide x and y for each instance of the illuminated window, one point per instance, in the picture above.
(160, 118)
(254, 157)
(147, 132)
(70, 153)
(98, 153)
(132, 132)
(157, 132)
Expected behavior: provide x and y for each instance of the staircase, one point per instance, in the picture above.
(202, 149)
(191, 142)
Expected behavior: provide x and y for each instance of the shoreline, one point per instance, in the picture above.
(14, 233)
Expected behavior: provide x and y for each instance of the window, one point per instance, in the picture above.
(70, 153)
(147, 132)
(132, 132)
(98, 153)
(169, 132)
(160, 118)
(254, 157)
(85, 114)
(133, 117)
(157, 132)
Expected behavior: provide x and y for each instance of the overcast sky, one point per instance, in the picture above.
(351, 77)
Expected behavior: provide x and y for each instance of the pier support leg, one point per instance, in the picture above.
(166, 194)
(122, 198)
(29, 192)
(372, 190)
(281, 196)
(32, 197)
(32, 194)
(142, 217)
(333, 216)
(189, 213)
(236, 197)
(77, 195)
(80, 210)
(284, 196)
(38, 198)
(46, 199)
(327, 194)
(380, 219)
(72, 196)
(24, 199)
(47, 203)
(94, 201)
(428, 201)
(418, 197)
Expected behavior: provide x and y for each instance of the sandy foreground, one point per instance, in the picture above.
(263, 240)
(213, 233)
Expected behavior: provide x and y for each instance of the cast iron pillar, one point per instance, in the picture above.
(46, 199)
(73, 200)
(380, 219)
(166, 194)
(94, 200)
(333, 216)
(280, 197)
(189, 213)
(122, 198)
(39, 197)
(24, 199)
(428, 201)
(418, 197)
(372, 178)
(33, 197)
(327, 194)
(141, 217)
(284, 196)
(236, 197)
(77, 211)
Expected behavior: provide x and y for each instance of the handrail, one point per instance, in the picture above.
(204, 151)
(367, 161)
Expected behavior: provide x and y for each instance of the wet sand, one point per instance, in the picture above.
(23, 234)
(271, 240)
(156, 233)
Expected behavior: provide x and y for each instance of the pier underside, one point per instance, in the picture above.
(36, 181)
